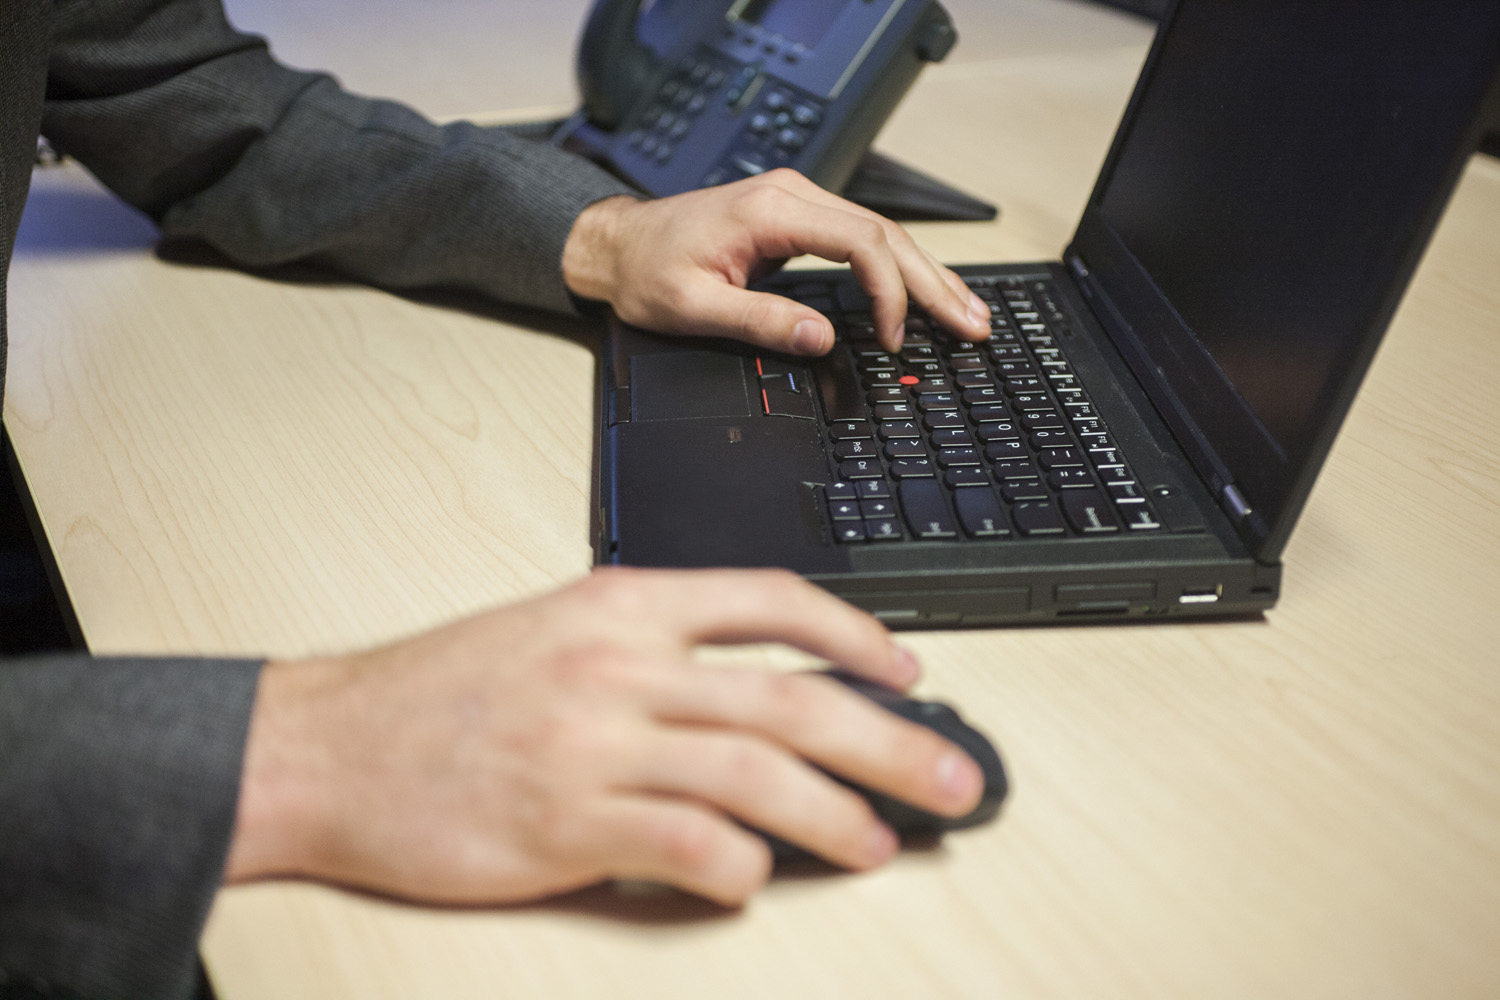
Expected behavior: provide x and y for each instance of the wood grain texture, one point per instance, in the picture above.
(1306, 805)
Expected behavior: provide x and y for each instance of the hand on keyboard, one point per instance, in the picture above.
(681, 264)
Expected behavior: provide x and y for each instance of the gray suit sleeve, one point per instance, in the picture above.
(197, 125)
(118, 786)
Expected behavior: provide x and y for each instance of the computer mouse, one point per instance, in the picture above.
(908, 820)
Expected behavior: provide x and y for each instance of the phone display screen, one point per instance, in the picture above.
(802, 21)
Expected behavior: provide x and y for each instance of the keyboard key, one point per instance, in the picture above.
(874, 510)
(1037, 518)
(847, 532)
(1116, 474)
(1069, 479)
(1031, 401)
(939, 420)
(843, 430)
(968, 363)
(1006, 369)
(894, 411)
(984, 396)
(949, 457)
(1138, 517)
(1017, 490)
(883, 530)
(937, 401)
(874, 489)
(888, 394)
(937, 383)
(844, 510)
(1049, 438)
(1043, 420)
(989, 413)
(908, 468)
(952, 439)
(980, 514)
(1060, 458)
(840, 491)
(892, 429)
(1122, 493)
(975, 380)
(1023, 383)
(861, 468)
(1105, 456)
(859, 448)
(1005, 448)
(962, 476)
(926, 509)
(905, 448)
(1089, 512)
(1016, 468)
(997, 430)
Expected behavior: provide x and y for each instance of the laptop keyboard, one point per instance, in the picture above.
(955, 440)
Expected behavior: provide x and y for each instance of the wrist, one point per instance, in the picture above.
(590, 253)
(285, 812)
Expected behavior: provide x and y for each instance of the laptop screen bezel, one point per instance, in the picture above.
(1220, 435)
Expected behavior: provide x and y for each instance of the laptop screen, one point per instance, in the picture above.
(1277, 176)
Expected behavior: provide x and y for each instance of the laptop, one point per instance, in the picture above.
(1140, 432)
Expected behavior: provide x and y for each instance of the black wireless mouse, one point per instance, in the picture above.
(908, 820)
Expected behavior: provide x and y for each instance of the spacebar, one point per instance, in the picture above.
(838, 384)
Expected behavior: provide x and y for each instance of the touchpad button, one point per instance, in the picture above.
(685, 385)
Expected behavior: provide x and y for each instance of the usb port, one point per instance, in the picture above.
(1201, 595)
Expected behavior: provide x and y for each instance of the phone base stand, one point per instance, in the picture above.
(899, 192)
(879, 183)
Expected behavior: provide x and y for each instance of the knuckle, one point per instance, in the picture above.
(690, 842)
(791, 702)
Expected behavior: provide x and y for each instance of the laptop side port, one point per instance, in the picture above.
(1201, 595)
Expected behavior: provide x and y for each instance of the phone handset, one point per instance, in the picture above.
(615, 70)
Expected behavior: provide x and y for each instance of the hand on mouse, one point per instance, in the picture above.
(559, 742)
(680, 264)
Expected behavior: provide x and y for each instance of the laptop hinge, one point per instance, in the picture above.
(1214, 474)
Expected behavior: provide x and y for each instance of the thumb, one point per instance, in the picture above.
(760, 318)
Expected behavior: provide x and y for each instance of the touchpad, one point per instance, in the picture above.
(683, 385)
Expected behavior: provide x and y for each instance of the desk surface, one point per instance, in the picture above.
(1306, 805)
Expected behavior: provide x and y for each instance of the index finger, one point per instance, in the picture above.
(769, 605)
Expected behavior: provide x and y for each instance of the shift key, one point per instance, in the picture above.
(926, 509)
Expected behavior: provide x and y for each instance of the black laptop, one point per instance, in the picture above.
(1142, 428)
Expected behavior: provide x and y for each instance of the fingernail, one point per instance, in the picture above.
(908, 667)
(958, 776)
(808, 337)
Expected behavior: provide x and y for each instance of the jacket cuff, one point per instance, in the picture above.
(120, 781)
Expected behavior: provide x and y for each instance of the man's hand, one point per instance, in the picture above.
(680, 265)
(553, 744)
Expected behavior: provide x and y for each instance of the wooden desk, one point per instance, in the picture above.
(1305, 806)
